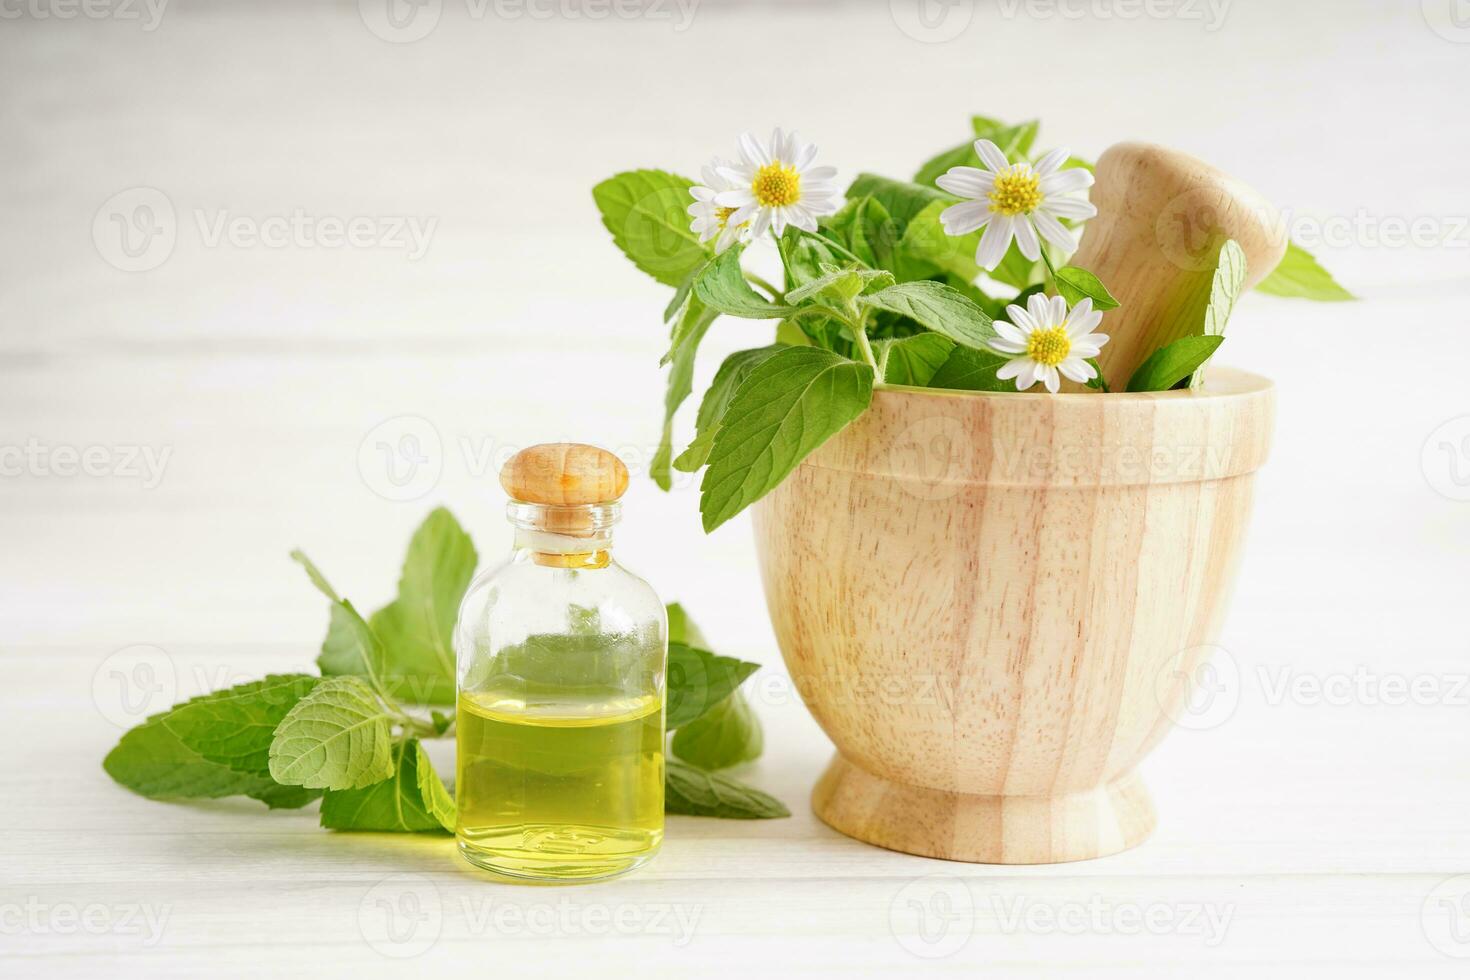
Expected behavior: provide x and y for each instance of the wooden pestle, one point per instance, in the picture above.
(1162, 217)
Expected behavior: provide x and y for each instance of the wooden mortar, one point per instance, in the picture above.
(994, 604)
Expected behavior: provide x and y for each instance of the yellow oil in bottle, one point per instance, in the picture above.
(558, 788)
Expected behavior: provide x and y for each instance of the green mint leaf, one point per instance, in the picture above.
(1225, 289)
(722, 286)
(1302, 276)
(350, 646)
(416, 629)
(697, 793)
(902, 200)
(789, 405)
(234, 727)
(681, 296)
(647, 213)
(732, 373)
(726, 735)
(840, 286)
(151, 761)
(804, 255)
(969, 369)
(412, 799)
(1014, 141)
(866, 228)
(694, 324)
(912, 360)
(1075, 283)
(337, 737)
(682, 628)
(1173, 363)
(698, 680)
(938, 307)
(927, 243)
(279, 797)
(441, 721)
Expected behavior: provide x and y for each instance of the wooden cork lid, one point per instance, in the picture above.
(564, 474)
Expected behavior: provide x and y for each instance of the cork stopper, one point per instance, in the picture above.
(565, 474)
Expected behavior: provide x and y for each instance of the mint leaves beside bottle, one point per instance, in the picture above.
(353, 737)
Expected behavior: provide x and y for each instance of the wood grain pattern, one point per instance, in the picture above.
(993, 604)
(1161, 218)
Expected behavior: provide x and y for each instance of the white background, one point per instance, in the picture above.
(1317, 825)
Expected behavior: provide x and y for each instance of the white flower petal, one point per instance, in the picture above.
(738, 198)
(963, 218)
(1077, 369)
(1051, 229)
(1030, 371)
(759, 223)
(991, 156)
(1058, 311)
(1039, 305)
(1003, 346)
(1049, 377)
(752, 151)
(1026, 239)
(994, 242)
(1010, 331)
(804, 156)
(1077, 208)
(966, 182)
(817, 174)
(1064, 181)
(1092, 340)
(1053, 160)
(1010, 369)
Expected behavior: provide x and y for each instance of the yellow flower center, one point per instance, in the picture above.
(1050, 346)
(776, 185)
(1017, 191)
(723, 214)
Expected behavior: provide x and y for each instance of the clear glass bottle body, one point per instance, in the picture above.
(560, 724)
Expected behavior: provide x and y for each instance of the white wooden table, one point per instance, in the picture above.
(1313, 821)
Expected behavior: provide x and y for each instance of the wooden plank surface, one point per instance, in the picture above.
(1313, 823)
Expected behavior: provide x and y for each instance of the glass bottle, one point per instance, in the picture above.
(561, 654)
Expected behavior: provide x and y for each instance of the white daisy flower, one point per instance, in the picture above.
(776, 186)
(1046, 339)
(710, 219)
(1013, 200)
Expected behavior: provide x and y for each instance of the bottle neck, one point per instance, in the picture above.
(564, 536)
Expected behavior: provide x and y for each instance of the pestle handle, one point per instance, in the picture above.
(1162, 217)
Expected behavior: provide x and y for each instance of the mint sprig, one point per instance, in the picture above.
(352, 738)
